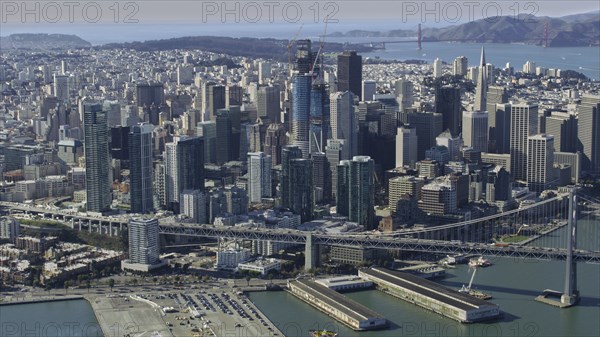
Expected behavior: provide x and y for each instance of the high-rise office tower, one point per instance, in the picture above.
(498, 120)
(301, 188)
(475, 130)
(460, 66)
(349, 73)
(369, 89)
(452, 143)
(499, 185)
(589, 132)
(403, 90)
(540, 162)
(438, 198)
(268, 104)
(119, 142)
(304, 56)
(321, 177)
(406, 146)
(447, 103)
(190, 164)
(289, 153)
(249, 140)
(224, 138)
(482, 83)
(194, 205)
(402, 186)
(149, 93)
(208, 131)
(143, 241)
(259, 176)
(213, 99)
(428, 126)
(333, 151)
(301, 88)
(275, 140)
(437, 68)
(234, 95)
(264, 72)
(563, 127)
(344, 123)
(319, 117)
(61, 88)
(140, 168)
(356, 190)
(523, 123)
(98, 182)
(171, 184)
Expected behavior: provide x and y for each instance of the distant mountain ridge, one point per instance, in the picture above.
(42, 42)
(569, 31)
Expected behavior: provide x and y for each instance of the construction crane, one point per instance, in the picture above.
(321, 45)
(291, 44)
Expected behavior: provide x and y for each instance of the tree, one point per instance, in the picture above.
(155, 279)
(67, 284)
(111, 283)
(88, 285)
(248, 278)
(270, 276)
(134, 281)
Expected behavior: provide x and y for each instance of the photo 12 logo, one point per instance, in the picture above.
(467, 11)
(269, 11)
(28, 12)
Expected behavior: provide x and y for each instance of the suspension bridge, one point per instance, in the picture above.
(564, 227)
(420, 38)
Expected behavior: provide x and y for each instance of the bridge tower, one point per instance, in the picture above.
(570, 295)
(311, 253)
(546, 34)
(419, 37)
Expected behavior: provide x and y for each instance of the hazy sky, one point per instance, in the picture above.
(430, 13)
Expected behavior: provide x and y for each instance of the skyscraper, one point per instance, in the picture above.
(143, 241)
(301, 188)
(453, 143)
(447, 103)
(190, 164)
(356, 190)
(213, 99)
(194, 205)
(403, 90)
(344, 123)
(349, 73)
(498, 120)
(97, 161)
(401, 186)
(333, 151)
(482, 83)
(406, 147)
(268, 104)
(475, 130)
(437, 68)
(208, 131)
(523, 123)
(428, 126)
(301, 87)
(289, 153)
(275, 140)
(459, 66)
(319, 117)
(589, 133)
(499, 185)
(149, 93)
(140, 168)
(369, 88)
(61, 88)
(540, 162)
(259, 176)
(563, 127)
(224, 138)
(321, 177)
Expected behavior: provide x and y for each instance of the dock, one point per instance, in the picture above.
(432, 296)
(336, 305)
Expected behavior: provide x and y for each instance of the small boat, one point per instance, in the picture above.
(480, 262)
(322, 333)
